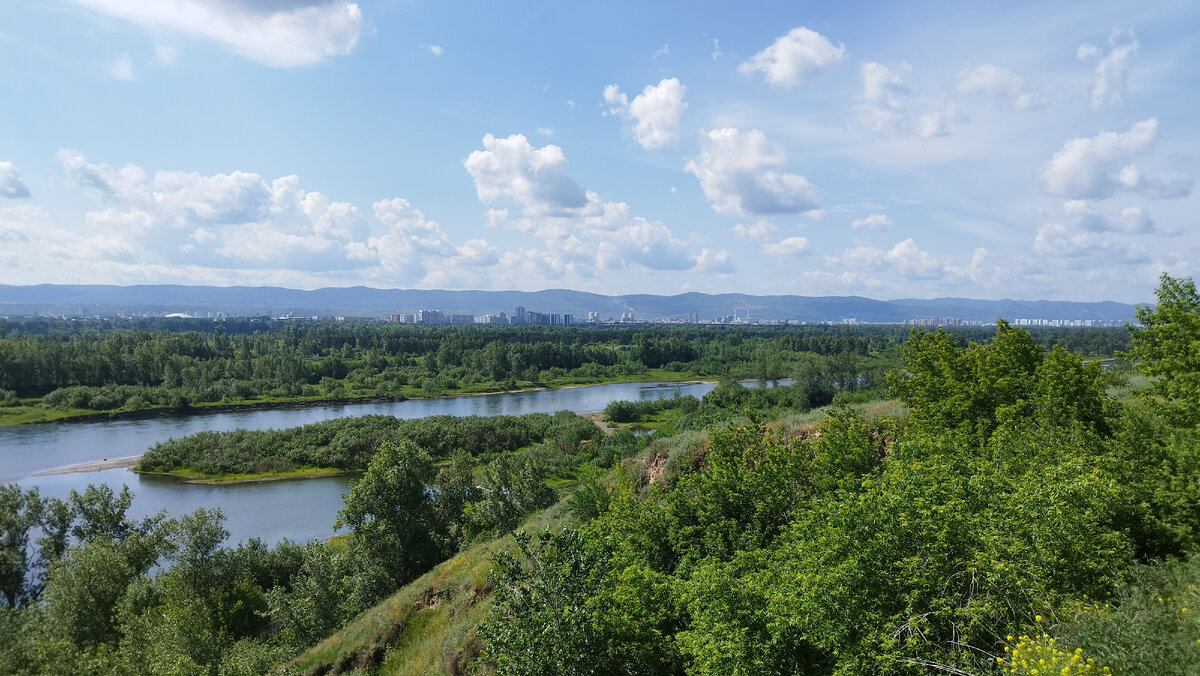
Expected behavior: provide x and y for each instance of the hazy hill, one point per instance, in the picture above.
(369, 302)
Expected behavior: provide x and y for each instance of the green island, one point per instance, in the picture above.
(913, 502)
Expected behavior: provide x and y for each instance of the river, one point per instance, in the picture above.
(297, 510)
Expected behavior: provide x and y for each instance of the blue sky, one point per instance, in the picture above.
(987, 150)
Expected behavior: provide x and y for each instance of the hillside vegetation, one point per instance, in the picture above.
(1006, 514)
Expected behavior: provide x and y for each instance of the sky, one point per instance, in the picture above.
(1025, 150)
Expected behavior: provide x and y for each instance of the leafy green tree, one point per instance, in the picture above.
(392, 514)
(544, 613)
(1166, 345)
(455, 487)
(20, 513)
(83, 591)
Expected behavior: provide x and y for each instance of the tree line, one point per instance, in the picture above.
(111, 365)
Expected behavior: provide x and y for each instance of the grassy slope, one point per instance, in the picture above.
(428, 627)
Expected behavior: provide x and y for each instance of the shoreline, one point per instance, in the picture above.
(93, 466)
(201, 409)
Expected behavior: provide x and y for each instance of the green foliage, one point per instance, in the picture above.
(391, 512)
(512, 486)
(349, 443)
(973, 390)
(1151, 627)
(1166, 345)
(632, 411)
(545, 610)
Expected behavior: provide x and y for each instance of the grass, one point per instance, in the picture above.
(195, 476)
(35, 413)
(429, 625)
(1152, 627)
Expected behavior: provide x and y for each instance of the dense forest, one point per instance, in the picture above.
(1012, 509)
(50, 368)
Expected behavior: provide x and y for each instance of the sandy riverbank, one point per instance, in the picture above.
(94, 466)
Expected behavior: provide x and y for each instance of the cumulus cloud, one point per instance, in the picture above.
(581, 232)
(16, 223)
(794, 58)
(646, 243)
(714, 262)
(11, 185)
(511, 168)
(886, 104)
(758, 230)
(655, 113)
(1083, 232)
(884, 95)
(787, 248)
(905, 260)
(436, 50)
(872, 222)
(410, 236)
(1081, 216)
(1101, 166)
(740, 174)
(221, 221)
(1000, 84)
(1111, 76)
(282, 34)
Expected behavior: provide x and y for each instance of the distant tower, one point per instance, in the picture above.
(519, 315)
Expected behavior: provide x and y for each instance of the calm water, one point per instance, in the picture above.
(298, 510)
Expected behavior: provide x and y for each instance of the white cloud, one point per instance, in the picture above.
(121, 68)
(618, 103)
(1000, 84)
(714, 262)
(221, 221)
(655, 112)
(794, 58)
(436, 50)
(758, 231)
(883, 96)
(18, 223)
(662, 51)
(1085, 233)
(787, 248)
(866, 265)
(1136, 220)
(873, 222)
(581, 232)
(1111, 77)
(283, 34)
(511, 168)
(914, 263)
(886, 104)
(11, 185)
(1101, 166)
(716, 50)
(1081, 216)
(739, 173)
(546, 131)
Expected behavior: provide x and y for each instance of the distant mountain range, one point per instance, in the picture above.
(359, 301)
